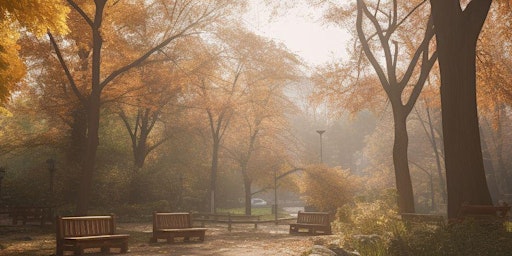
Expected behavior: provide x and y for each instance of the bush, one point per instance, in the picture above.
(374, 228)
(328, 188)
(466, 238)
(368, 227)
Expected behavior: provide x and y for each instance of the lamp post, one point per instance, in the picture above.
(320, 132)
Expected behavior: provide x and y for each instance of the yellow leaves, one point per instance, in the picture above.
(37, 16)
(4, 112)
(328, 188)
(12, 69)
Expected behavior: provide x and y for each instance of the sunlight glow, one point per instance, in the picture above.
(301, 30)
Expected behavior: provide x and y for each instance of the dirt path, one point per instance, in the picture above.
(266, 240)
(242, 240)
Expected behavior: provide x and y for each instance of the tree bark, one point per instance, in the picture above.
(457, 32)
(93, 113)
(401, 162)
(248, 195)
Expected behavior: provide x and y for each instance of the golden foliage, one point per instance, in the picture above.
(37, 16)
(12, 69)
(328, 188)
(494, 74)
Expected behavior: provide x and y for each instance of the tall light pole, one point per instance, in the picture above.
(320, 132)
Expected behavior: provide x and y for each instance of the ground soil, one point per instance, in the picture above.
(266, 240)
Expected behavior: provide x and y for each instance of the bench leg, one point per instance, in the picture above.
(78, 251)
(170, 239)
(153, 240)
(105, 249)
(124, 247)
(59, 252)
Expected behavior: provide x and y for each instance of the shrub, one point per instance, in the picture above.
(328, 188)
(466, 238)
(374, 228)
(368, 227)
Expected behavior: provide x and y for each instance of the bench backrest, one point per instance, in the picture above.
(484, 210)
(171, 220)
(321, 218)
(85, 226)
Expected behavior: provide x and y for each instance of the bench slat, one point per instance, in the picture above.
(77, 233)
(170, 225)
(312, 222)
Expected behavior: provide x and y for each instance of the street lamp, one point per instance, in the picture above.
(320, 132)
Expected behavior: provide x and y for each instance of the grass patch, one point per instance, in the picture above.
(264, 212)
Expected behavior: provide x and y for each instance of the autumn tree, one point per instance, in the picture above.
(457, 30)
(15, 15)
(266, 69)
(182, 19)
(494, 91)
(395, 82)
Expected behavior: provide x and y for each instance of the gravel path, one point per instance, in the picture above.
(244, 240)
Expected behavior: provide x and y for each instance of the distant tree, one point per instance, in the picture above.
(494, 90)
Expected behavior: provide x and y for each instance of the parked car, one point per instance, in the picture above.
(258, 202)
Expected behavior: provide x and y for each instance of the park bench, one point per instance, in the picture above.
(484, 212)
(172, 225)
(313, 222)
(79, 233)
(229, 219)
(27, 214)
(433, 219)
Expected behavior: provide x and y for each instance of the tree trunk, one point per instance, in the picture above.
(490, 171)
(401, 163)
(442, 181)
(93, 113)
(248, 195)
(456, 35)
(89, 163)
(213, 174)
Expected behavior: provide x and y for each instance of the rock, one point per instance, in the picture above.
(322, 251)
(343, 252)
(319, 250)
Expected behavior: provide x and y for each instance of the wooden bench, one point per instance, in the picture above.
(484, 212)
(172, 225)
(313, 222)
(423, 218)
(40, 215)
(79, 233)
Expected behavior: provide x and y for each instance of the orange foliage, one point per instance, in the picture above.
(328, 188)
